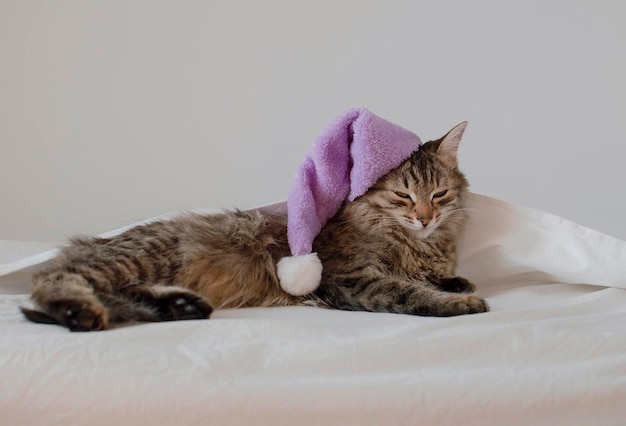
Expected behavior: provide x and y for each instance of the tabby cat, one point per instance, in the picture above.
(390, 250)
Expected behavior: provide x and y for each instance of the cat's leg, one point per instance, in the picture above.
(385, 294)
(169, 303)
(67, 299)
(455, 285)
(423, 299)
(450, 304)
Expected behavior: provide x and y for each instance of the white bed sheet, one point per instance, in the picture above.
(552, 350)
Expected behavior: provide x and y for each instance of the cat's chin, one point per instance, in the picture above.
(420, 233)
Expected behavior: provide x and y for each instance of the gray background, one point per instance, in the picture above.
(115, 111)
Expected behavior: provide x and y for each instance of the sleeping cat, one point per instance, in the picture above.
(390, 250)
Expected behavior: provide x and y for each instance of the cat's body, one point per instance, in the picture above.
(391, 250)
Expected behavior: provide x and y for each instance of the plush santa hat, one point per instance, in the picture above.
(352, 153)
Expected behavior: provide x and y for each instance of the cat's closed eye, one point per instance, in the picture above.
(440, 194)
(402, 195)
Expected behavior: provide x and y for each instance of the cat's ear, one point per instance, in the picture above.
(449, 144)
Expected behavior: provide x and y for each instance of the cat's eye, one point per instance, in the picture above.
(440, 194)
(402, 195)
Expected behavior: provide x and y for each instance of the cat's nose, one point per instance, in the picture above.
(425, 220)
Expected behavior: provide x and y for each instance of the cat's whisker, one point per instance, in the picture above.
(371, 218)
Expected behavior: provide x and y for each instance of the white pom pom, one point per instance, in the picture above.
(300, 275)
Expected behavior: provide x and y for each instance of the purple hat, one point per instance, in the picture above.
(354, 151)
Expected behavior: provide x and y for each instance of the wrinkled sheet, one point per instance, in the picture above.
(551, 351)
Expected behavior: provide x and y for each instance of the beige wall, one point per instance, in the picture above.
(115, 111)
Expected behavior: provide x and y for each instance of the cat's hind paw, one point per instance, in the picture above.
(80, 315)
(174, 306)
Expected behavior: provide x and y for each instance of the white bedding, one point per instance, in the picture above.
(551, 351)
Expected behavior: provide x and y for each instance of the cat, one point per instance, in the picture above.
(392, 249)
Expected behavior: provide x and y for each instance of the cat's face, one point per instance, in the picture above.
(426, 190)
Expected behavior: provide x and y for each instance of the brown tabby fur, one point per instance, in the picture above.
(391, 250)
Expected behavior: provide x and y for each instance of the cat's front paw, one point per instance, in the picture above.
(456, 285)
(462, 305)
(81, 315)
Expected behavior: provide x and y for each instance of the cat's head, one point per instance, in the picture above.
(425, 192)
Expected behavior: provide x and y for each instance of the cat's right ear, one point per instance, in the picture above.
(449, 144)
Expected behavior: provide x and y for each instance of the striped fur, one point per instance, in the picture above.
(391, 250)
